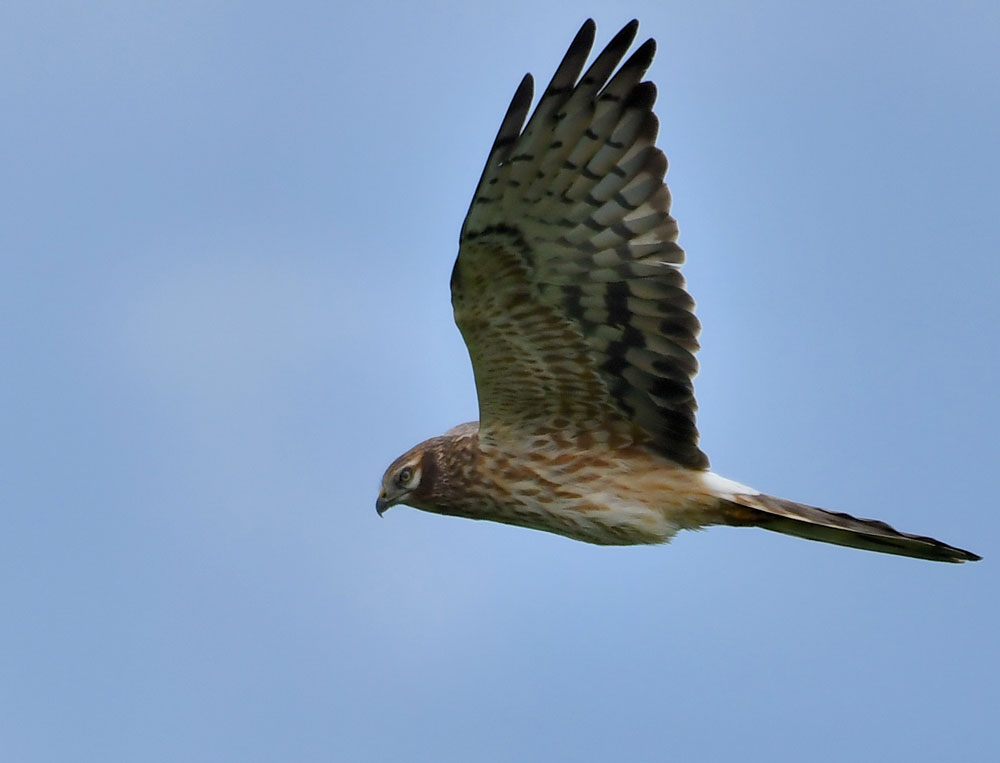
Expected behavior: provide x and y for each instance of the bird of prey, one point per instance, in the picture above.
(568, 292)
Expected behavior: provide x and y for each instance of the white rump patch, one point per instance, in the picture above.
(724, 488)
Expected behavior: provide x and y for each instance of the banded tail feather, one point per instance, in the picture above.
(812, 523)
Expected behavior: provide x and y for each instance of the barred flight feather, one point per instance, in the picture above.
(567, 272)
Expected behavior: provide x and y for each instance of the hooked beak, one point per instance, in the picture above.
(386, 501)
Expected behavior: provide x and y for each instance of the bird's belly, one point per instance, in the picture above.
(615, 506)
(600, 519)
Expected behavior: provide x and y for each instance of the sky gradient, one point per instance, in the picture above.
(226, 232)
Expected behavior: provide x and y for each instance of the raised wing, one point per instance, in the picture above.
(567, 286)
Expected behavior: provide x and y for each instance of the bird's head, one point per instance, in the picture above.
(424, 477)
(402, 481)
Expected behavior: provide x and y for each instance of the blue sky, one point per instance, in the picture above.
(225, 238)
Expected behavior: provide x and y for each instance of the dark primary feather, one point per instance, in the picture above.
(567, 288)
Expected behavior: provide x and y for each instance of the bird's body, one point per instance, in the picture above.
(568, 293)
(616, 496)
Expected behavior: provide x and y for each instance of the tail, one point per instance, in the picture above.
(790, 518)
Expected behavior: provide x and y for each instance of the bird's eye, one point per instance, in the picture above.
(405, 475)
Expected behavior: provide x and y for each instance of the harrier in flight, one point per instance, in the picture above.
(568, 292)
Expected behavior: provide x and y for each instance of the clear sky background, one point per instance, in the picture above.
(226, 231)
